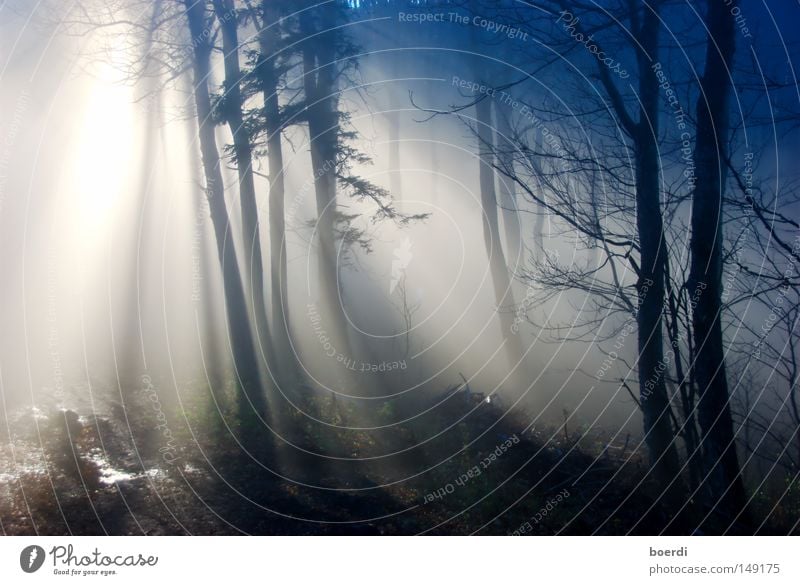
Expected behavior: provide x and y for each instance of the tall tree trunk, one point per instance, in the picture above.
(323, 128)
(644, 132)
(719, 446)
(232, 106)
(501, 280)
(655, 401)
(130, 348)
(393, 119)
(252, 399)
(508, 189)
(268, 75)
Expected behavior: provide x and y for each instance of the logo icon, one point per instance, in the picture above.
(31, 558)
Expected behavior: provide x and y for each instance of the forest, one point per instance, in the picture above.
(399, 267)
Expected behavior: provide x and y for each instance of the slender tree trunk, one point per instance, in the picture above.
(268, 74)
(395, 178)
(655, 401)
(719, 446)
(252, 399)
(501, 280)
(323, 128)
(508, 189)
(654, 398)
(232, 106)
(393, 120)
(130, 348)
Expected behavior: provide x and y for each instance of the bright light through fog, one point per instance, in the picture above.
(103, 158)
(398, 266)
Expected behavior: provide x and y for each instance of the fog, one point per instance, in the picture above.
(110, 253)
(114, 295)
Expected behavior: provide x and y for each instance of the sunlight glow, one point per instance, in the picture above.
(103, 158)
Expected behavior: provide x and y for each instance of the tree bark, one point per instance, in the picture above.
(501, 280)
(655, 401)
(252, 400)
(268, 75)
(644, 133)
(726, 490)
(323, 127)
(393, 119)
(232, 106)
(508, 191)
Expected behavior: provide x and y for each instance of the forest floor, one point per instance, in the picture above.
(68, 472)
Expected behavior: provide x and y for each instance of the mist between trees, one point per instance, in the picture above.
(322, 258)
